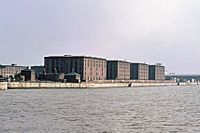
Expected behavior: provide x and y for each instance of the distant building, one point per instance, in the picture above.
(72, 77)
(156, 72)
(11, 70)
(119, 70)
(28, 74)
(183, 78)
(139, 71)
(54, 77)
(39, 70)
(2, 79)
(89, 68)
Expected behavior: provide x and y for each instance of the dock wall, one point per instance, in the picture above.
(152, 84)
(54, 85)
(23, 85)
(3, 86)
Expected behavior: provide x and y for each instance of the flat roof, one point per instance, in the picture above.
(140, 63)
(72, 74)
(75, 57)
(117, 61)
(3, 66)
(157, 65)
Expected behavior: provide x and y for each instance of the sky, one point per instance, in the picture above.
(147, 31)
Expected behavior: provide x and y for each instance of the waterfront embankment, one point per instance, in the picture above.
(3, 86)
(54, 85)
(26, 85)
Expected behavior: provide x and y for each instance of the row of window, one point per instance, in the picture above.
(94, 73)
(94, 61)
(94, 65)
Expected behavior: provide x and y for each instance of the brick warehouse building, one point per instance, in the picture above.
(156, 72)
(119, 70)
(90, 68)
(139, 71)
(11, 70)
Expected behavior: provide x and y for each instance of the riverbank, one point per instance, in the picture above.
(55, 85)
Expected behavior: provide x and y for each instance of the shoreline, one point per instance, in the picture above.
(83, 85)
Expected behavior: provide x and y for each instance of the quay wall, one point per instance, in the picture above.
(3, 86)
(26, 85)
(153, 84)
(54, 85)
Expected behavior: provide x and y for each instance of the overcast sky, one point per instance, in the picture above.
(151, 31)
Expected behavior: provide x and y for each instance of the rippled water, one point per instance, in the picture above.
(119, 110)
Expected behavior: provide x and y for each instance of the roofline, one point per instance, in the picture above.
(12, 66)
(118, 61)
(157, 65)
(140, 63)
(75, 57)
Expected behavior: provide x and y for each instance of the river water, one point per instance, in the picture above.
(117, 110)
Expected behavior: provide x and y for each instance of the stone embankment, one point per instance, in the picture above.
(54, 85)
(26, 85)
(3, 86)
